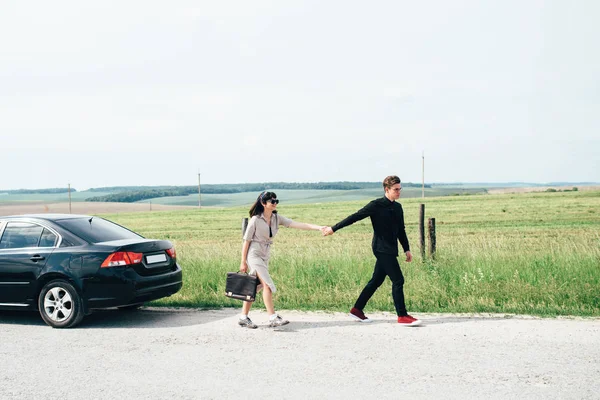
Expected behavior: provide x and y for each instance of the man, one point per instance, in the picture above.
(387, 219)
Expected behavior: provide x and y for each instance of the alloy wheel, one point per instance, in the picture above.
(58, 304)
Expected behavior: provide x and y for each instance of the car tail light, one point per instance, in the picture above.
(121, 258)
(171, 252)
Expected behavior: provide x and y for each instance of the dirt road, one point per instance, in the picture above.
(190, 354)
(38, 207)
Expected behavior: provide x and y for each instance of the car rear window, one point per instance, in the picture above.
(95, 230)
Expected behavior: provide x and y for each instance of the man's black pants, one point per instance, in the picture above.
(386, 265)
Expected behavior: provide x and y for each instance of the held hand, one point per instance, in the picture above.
(408, 256)
(244, 266)
(327, 231)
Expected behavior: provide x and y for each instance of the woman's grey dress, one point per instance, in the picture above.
(259, 251)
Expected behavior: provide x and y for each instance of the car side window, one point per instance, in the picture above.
(48, 239)
(17, 235)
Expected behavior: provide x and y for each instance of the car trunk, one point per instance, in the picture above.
(156, 260)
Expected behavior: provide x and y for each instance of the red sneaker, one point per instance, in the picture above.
(408, 320)
(359, 315)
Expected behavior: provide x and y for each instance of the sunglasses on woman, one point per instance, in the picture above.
(273, 201)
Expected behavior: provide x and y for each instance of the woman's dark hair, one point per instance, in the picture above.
(258, 208)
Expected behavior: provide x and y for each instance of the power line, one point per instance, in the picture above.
(199, 193)
(69, 198)
(423, 176)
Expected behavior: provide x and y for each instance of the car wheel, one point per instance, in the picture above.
(60, 304)
(131, 307)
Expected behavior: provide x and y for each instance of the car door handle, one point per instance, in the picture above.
(37, 258)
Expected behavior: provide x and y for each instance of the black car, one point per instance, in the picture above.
(67, 265)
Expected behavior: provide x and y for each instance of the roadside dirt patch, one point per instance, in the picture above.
(85, 208)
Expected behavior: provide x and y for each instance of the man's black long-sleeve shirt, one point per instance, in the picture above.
(387, 219)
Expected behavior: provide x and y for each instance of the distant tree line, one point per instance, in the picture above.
(552, 190)
(130, 194)
(38, 191)
(133, 196)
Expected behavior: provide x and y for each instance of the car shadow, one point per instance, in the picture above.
(151, 317)
(21, 318)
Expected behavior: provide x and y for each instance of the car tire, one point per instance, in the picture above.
(60, 304)
(131, 307)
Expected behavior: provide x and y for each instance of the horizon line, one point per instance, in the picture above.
(557, 183)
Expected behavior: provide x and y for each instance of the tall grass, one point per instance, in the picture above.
(528, 253)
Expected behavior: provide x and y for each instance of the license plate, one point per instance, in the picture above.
(156, 258)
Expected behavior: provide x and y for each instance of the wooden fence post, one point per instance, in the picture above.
(432, 242)
(244, 225)
(422, 230)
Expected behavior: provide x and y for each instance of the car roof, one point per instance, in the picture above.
(47, 217)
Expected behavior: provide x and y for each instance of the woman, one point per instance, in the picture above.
(262, 228)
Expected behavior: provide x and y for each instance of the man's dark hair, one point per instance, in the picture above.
(390, 181)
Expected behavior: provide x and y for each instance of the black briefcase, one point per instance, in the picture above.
(241, 286)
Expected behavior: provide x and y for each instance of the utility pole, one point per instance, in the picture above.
(69, 198)
(423, 177)
(199, 193)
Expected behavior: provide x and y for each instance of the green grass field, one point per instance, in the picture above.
(528, 254)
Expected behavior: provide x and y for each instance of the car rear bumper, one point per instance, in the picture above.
(125, 287)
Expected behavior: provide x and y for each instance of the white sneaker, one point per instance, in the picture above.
(247, 323)
(278, 321)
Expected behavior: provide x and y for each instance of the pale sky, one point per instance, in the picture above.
(109, 93)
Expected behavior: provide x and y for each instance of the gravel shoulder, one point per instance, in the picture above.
(156, 353)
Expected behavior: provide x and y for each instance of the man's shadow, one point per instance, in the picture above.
(458, 319)
(295, 326)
